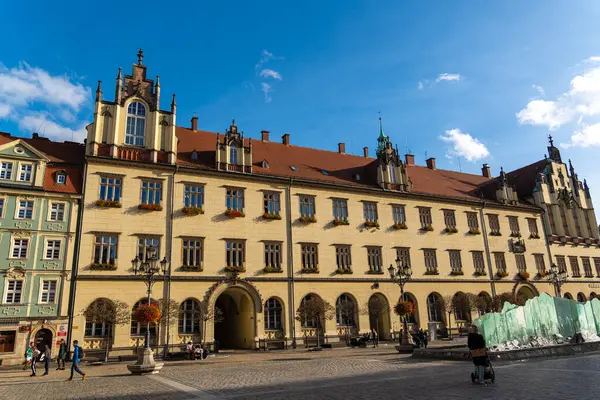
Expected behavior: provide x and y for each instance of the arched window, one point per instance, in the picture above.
(434, 308)
(593, 295)
(568, 296)
(461, 307)
(189, 316)
(412, 318)
(581, 298)
(307, 320)
(273, 311)
(484, 303)
(345, 309)
(139, 328)
(136, 123)
(97, 317)
(392, 168)
(233, 154)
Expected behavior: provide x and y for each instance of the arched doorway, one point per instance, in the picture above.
(581, 297)
(237, 330)
(379, 316)
(43, 337)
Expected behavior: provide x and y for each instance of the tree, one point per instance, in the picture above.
(108, 312)
(207, 314)
(448, 306)
(169, 311)
(481, 304)
(499, 300)
(317, 310)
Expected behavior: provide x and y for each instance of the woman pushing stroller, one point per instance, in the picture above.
(476, 344)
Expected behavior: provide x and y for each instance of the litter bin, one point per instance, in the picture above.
(432, 330)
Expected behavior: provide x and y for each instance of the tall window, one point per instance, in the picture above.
(478, 262)
(455, 261)
(431, 267)
(110, 188)
(25, 209)
(588, 224)
(513, 224)
(574, 266)
(193, 196)
(99, 329)
(273, 255)
(271, 203)
(19, 248)
(392, 169)
(375, 259)
(307, 321)
(370, 211)
(57, 211)
(309, 252)
(563, 218)
(53, 249)
(48, 294)
(500, 263)
(344, 311)
(235, 253)
(192, 252)
(1, 208)
(587, 267)
(307, 206)
(425, 217)
(399, 214)
(105, 250)
(521, 264)
(234, 199)
(597, 266)
(562, 263)
(533, 228)
(6, 170)
(340, 209)
(576, 220)
(472, 221)
(403, 254)
(233, 154)
(449, 219)
(551, 219)
(540, 265)
(343, 257)
(136, 122)
(494, 223)
(189, 317)
(151, 192)
(434, 308)
(14, 291)
(146, 245)
(25, 172)
(273, 313)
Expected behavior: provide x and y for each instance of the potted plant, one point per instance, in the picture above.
(274, 216)
(235, 268)
(427, 228)
(150, 207)
(272, 270)
(192, 210)
(231, 213)
(373, 272)
(338, 222)
(400, 225)
(108, 203)
(474, 231)
(451, 229)
(523, 275)
(305, 219)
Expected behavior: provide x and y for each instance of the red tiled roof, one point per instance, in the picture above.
(73, 183)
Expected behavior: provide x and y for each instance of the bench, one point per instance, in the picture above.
(279, 344)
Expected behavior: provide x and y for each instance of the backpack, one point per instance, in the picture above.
(81, 353)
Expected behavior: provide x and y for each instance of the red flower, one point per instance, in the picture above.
(147, 313)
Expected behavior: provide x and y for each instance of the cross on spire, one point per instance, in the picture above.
(140, 56)
(550, 140)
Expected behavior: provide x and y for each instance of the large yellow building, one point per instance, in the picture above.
(253, 227)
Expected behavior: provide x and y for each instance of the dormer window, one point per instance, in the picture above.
(357, 177)
(194, 155)
(61, 178)
(265, 164)
(136, 123)
(324, 172)
(233, 155)
(294, 168)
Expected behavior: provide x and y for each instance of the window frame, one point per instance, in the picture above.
(307, 205)
(375, 256)
(18, 209)
(157, 189)
(343, 257)
(2, 206)
(112, 186)
(370, 213)
(273, 255)
(235, 248)
(399, 213)
(193, 315)
(197, 194)
(514, 226)
(192, 250)
(309, 252)
(50, 210)
(58, 178)
(8, 170)
(449, 218)
(102, 245)
(238, 199)
(532, 223)
(500, 262)
(587, 267)
(425, 217)
(430, 257)
(273, 314)
(136, 118)
(520, 263)
(494, 223)
(21, 172)
(13, 247)
(14, 291)
(574, 264)
(48, 291)
(472, 217)
(478, 257)
(272, 202)
(540, 263)
(339, 209)
(455, 262)
(46, 248)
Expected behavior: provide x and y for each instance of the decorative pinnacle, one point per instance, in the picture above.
(157, 81)
(140, 56)
(381, 134)
(120, 74)
(174, 102)
(551, 141)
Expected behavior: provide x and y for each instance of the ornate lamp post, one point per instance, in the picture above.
(400, 276)
(150, 270)
(557, 278)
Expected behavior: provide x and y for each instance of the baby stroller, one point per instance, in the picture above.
(488, 370)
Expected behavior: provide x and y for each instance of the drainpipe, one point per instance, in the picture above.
(290, 261)
(487, 249)
(168, 255)
(74, 269)
(548, 248)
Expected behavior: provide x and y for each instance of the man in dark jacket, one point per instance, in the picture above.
(47, 356)
(62, 355)
(476, 344)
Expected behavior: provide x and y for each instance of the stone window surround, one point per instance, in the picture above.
(61, 248)
(49, 210)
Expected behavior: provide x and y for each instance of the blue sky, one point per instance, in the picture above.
(466, 81)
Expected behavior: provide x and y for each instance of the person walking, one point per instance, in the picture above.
(34, 359)
(28, 356)
(190, 350)
(476, 343)
(77, 356)
(62, 355)
(46, 357)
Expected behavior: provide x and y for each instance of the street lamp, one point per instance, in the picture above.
(557, 277)
(400, 276)
(150, 269)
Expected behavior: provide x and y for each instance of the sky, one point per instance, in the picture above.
(466, 82)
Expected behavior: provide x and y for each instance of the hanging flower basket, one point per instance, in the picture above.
(150, 207)
(192, 210)
(400, 225)
(234, 213)
(404, 308)
(147, 313)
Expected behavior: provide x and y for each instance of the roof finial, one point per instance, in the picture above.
(99, 91)
(157, 81)
(120, 73)
(551, 141)
(140, 56)
(381, 134)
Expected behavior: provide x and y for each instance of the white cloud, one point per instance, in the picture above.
(464, 145)
(269, 73)
(543, 112)
(448, 77)
(266, 88)
(539, 89)
(593, 59)
(588, 136)
(5, 110)
(420, 85)
(42, 124)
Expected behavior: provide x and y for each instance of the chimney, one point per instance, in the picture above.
(264, 135)
(285, 139)
(194, 123)
(409, 159)
(342, 148)
(35, 135)
(486, 171)
(366, 152)
(431, 163)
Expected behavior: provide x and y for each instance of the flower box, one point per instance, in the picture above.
(495, 234)
(474, 232)
(108, 203)
(456, 273)
(480, 273)
(523, 275)
(502, 274)
(400, 225)
(308, 220)
(515, 235)
(192, 210)
(371, 272)
(372, 224)
(271, 216)
(102, 267)
(588, 241)
(451, 230)
(234, 213)
(542, 274)
(310, 270)
(432, 272)
(150, 207)
(427, 228)
(343, 271)
(534, 236)
(338, 222)
(233, 268)
(191, 268)
(272, 270)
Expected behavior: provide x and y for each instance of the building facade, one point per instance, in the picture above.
(40, 190)
(257, 227)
